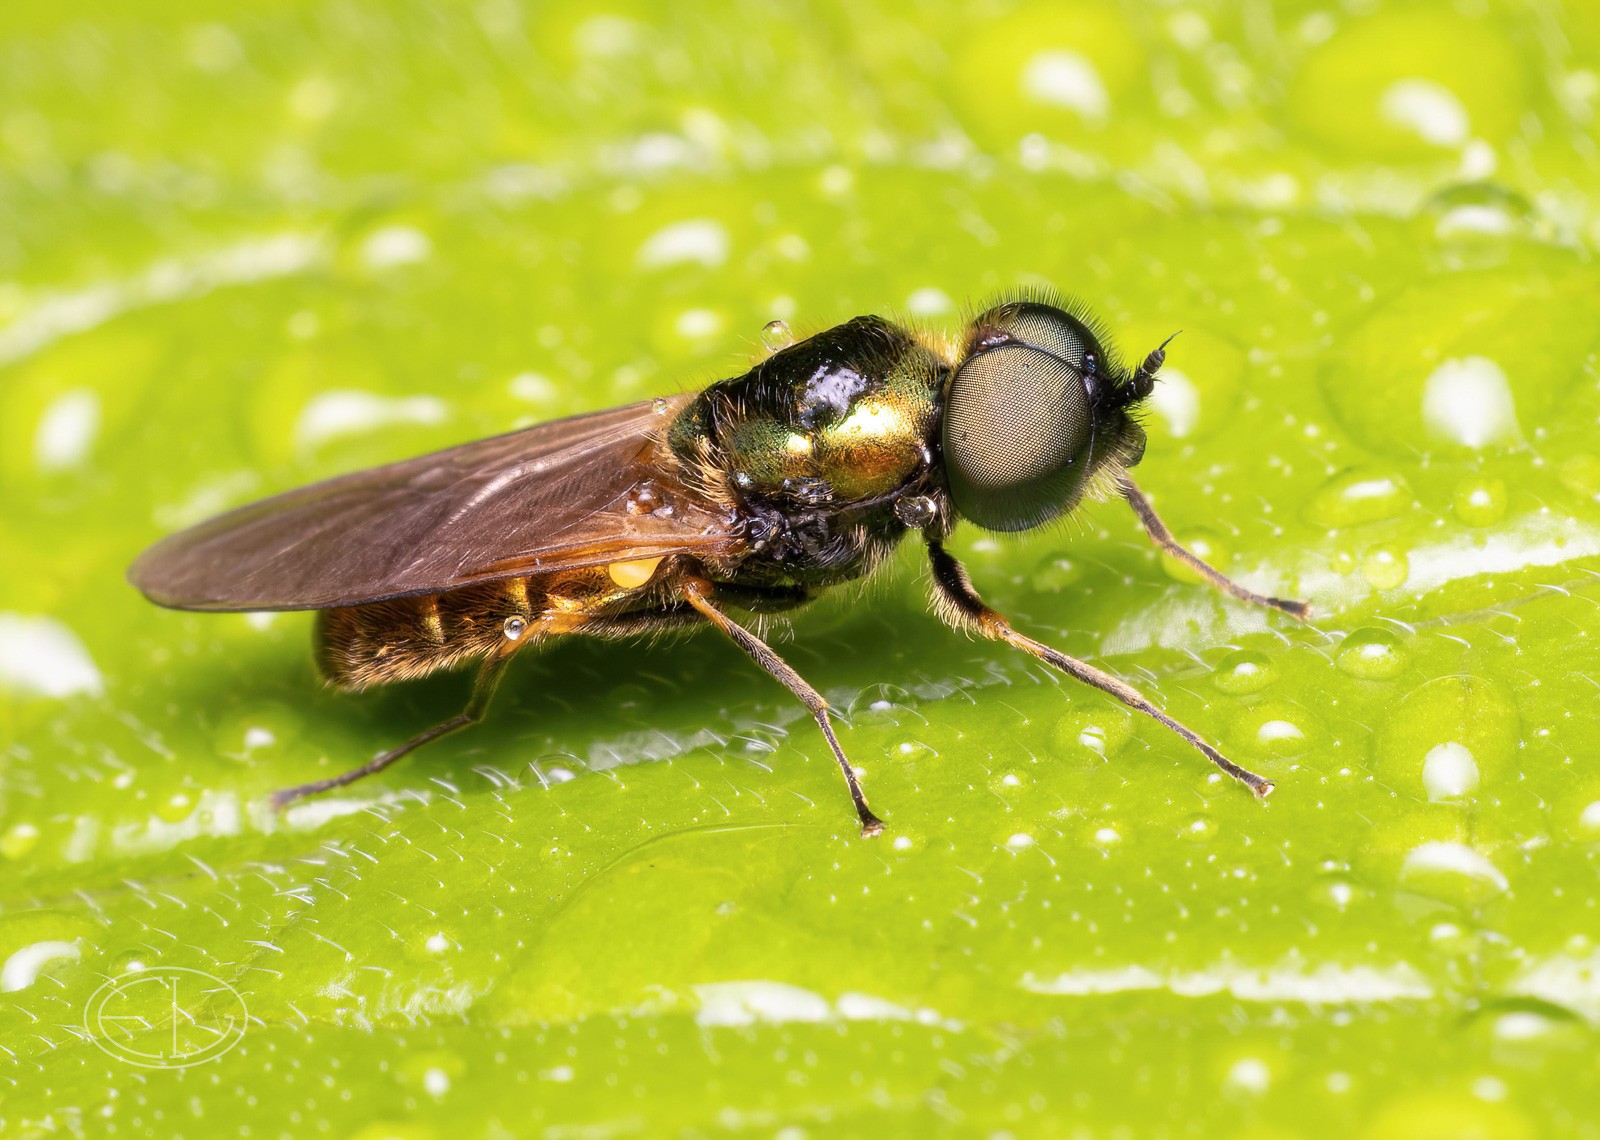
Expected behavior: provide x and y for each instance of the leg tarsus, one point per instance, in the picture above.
(697, 593)
(482, 690)
(966, 608)
(1162, 537)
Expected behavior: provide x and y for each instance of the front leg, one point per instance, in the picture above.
(961, 607)
(1162, 537)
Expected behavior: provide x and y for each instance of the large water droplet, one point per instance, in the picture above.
(1360, 495)
(1473, 714)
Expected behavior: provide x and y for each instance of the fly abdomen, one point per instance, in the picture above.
(404, 638)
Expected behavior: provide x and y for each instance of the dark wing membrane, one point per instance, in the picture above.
(547, 498)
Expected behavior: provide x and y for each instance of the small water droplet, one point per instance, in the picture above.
(916, 511)
(515, 627)
(1053, 575)
(1385, 567)
(1277, 728)
(776, 335)
(1481, 502)
(1103, 731)
(1338, 891)
(644, 498)
(1200, 828)
(1372, 654)
(1251, 1075)
(174, 808)
(659, 405)
(1244, 671)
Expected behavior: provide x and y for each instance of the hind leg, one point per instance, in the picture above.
(482, 692)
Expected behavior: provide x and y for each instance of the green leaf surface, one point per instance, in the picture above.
(248, 245)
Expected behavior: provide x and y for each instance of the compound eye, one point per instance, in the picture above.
(1018, 433)
(1045, 327)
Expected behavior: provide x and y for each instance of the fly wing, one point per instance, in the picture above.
(553, 496)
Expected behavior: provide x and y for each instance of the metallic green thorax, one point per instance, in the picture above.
(844, 417)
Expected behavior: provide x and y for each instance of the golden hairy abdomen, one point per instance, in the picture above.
(406, 638)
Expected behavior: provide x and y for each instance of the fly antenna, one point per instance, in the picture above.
(1144, 380)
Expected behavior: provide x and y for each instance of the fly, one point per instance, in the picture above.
(752, 495)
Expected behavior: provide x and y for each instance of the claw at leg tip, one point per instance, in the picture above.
(1263, 789)
(871, 826)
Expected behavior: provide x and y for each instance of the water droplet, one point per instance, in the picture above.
(659, 406)
(1468, 401)
(515, 627)
(1385, 567)
(1430, 110)
(1209, 546)
(644, 498)
(1276, 728)
(1580, 474)
(1054, 575)
(1464, 362)
(1360, 495)
(1244, 671)
(33, 942)
(701, 241)
(1470, 713)
(1105, 837)
(175, 807)
(885, 704)
(1249, 1074)
(916, 511)
(1589, 821)
(1338, 891)
(1200, 828)
(1449, 772)
(1372, 654)
(1525, 1031)
(1021, 841)
(776, 335)
(19, 840)
(1451, 872)
(1481, 502)
(1103, 730)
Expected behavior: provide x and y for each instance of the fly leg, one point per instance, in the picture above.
(1162, 537)
(961, 607)
(698, 592)
(482, 690)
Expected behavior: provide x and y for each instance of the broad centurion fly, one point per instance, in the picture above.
(752, 495)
